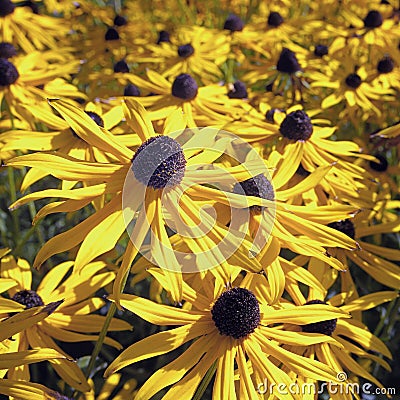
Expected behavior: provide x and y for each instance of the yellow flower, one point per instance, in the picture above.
(305, 140)
(202, 106)
(193, 50)
(22, 75)
(71, 321)
(151, 183)
(69, 137)
(351, 88)
(21, 389)
(30, 31)
(355, 338)
(372, 258)
(230, 326)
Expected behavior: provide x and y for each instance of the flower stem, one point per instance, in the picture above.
(102, 335)
(13, 197)
(205, 382)
(100, 340)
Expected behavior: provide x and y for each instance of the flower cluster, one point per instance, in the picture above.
(198, 198)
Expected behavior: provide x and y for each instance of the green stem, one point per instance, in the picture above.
(13, 197)
(102, 335)
(100, 340)
(229, 73)
(391, 318)
(117, 6)
(25, 238)
(384, 317)
(205, 382)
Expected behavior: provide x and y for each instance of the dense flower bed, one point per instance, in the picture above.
(199, 199)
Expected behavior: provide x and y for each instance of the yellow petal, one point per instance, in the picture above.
(158, 314)
(138, 119)
(369, 301)
(154, 345)
(89, 131)
(25, 319)
(14, 359)
(175, 370)
(302, 315)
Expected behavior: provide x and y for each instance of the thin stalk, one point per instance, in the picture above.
(381, 324)
(117, 6)
(13, 197)
(205, 382)
(100, 340)
(102, 335)
(24, 239)
(390, 317)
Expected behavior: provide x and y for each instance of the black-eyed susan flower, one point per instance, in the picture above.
(352, 89)
(70, 135)
(202, 105)
(375, 260)
(155, 176)
(72, 321)
(230, 326)
(27, 30)
(22, 76)
(23, 389)
(281, 70)
(196, 50)
(305, 139)
(352, 334)
(386, 73)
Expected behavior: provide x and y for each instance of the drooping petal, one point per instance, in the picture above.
(154, 345)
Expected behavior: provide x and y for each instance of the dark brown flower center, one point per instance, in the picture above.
(29, 298)
(239, 91)
(296, 126)
(131, 90)
(111, 34)
(323, 327)
(119, 20)
(186, 50)
(236, 313)
(321, 50)
(6, 7)
(353, 81)
(373, 19)
(7, 50)
(233, 23)
(259, 186)
(159, 162)
(380, 166)
(121, 66)
(163, 36)
(385, 65)
(184, 87)
(345, 226)
(96, 118)
(287, 62)
(8, 73)
(274, 19)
